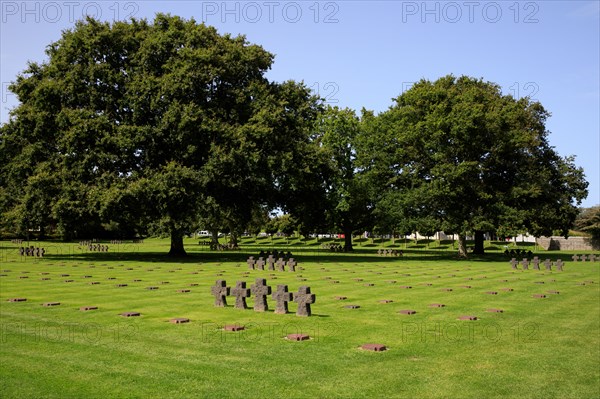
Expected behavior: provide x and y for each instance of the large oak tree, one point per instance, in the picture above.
(151, 124)
(459, 153)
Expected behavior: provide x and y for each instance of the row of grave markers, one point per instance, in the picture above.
(583, 258)
(304, 298)
(32, 251)
(389, 252)
(536, 264)
(271, 263)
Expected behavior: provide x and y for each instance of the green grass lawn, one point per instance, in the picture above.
(537, 348)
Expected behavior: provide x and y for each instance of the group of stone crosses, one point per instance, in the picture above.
(304, 298)
(32, 251)
(93, 247)
(280, 260)
(591, 258)
(389, 252)
(536, 264)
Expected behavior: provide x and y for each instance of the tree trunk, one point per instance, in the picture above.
(177, 244)
(479, 239)
(214, 237)
(462, 246)
(348, 240)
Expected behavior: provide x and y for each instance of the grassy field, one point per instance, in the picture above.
(537, 348)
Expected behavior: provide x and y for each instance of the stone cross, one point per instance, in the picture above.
(220, 292)
(260, 290)
(559, 265)
(280, 264)
(536, 263)
(548, 264)
(282, 297)
(583, 258)
(514, 263)
(260, 264)
(271, 262)
(575, 258)
(525, 264)
(304, 298)
(592, 258)
(291, 264)
(251, 262)
(240, 292)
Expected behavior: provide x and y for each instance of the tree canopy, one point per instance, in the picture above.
(154, 123)
(459, 156)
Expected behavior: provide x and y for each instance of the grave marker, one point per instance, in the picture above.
(282, 297)
(260, 290)
(220, 291)
(304, 299)
(240, 292)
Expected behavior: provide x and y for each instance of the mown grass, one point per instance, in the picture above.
(537, 348)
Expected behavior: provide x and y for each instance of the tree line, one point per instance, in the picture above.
(160, 127)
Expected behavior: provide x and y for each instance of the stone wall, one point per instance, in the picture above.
(568, 244)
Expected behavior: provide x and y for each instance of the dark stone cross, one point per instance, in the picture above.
(282, 297)
(304, 298)
(260, 290)
(548, 264)
(260, 264)
(240, 292)
(559, 265)
(271, 262)
(514, 263)
(220, 292)
(280, 264)
(536, 263)
(525, 264)
(251, 262)
(291, 264)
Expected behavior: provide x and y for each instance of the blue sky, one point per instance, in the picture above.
(364, 53)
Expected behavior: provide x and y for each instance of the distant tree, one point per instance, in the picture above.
(588, 221)
(157, 123)
(461, 151)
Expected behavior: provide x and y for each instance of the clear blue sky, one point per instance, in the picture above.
(363, 53)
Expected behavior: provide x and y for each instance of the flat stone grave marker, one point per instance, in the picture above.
(151, 288)
(220, 291)
(341, 298)
(368, 284)
(446, 289)
(553, 292)
(506, 289)
(491, 292)
(50, 304)
(405, 287)
(183, 290)
(352, 306)
(437, 305)
(297, 337)
(260, 290)
(240, 292)
(374, 347)
(17, 299)
(495, 310)
(86, 308)
(164, 282)
(130, 314)
(94, 282)
(391, 281)
(121, 285)
(407, 311)
(465, 286)
(539, 296)
(304, 298)
(193, 284)
(234, 327)
(179, 320)
(282, 297)
(386, 301)
(467, 318)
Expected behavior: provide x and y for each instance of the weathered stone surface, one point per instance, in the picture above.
(495, 310)
(539, 296)
(234, 327)
(298, 337)
(352, 306)
(50, 303)
(17, 299)
(374, 347)
(467, 318)
(341, 298)
(291, 265)
(447, 289)
(437, 305)
(491, 292)
(121, 285)
(251, 262)
(179, 320)
(407, 311)
(553, 292)
(86, 308)
(304, 299)
(260, 290)
(220, 291)
(240, 292)
(514, 263)
(152, 288)
(282, 297)
(405, 287)
(183, 290)
(130, 314)
(507, 289)
(386, 301)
